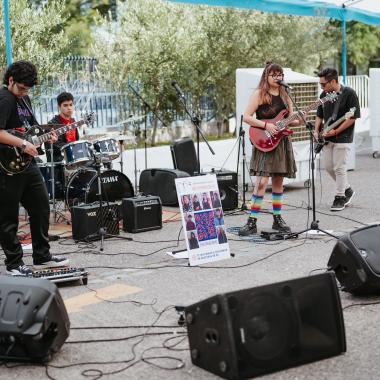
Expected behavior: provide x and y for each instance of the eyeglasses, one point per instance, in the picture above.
(323, 84)
(276, 75)
(21, 88)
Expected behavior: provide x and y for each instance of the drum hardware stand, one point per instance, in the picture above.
(52, 184)
(241, 140)
(102, 232)
(314, 226)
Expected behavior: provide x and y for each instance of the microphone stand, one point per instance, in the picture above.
(314, 226)
(241, 139)
(196, 122)
(146, 108)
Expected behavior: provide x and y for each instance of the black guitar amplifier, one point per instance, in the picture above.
(228, 188)
(142, 213)
(86, 220)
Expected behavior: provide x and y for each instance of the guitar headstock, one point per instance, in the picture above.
(89, 118)
(350, 113)
(331, 97)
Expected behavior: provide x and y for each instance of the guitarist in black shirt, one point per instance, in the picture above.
(335, 152)
(26, 187)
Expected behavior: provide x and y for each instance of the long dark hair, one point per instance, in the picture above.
(265, 96)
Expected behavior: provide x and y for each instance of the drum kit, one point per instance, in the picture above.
(75, 180)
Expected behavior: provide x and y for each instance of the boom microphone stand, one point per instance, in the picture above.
(146, 108)
(241, 139)
(195, 119)
(314, 226)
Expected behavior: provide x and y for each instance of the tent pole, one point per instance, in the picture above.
(7, 28)
(344, 51)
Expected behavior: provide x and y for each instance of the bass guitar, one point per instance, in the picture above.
(14, 161)
(266, 142)
(321, 142)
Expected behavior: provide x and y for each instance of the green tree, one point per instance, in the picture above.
(201, 47)
(37, 35)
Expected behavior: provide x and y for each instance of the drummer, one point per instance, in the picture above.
(65, 102)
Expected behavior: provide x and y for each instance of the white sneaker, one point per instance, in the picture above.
(22, 270)
(54, 262)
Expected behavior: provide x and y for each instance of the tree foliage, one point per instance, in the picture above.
(201, 47)
(37, 35)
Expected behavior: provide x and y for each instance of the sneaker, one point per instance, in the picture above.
(250, 228)
(349, 194)
(54, 262)
(339, 203)
(22, 270)
(279, 224)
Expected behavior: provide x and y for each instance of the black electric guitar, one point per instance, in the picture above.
(321, 142)
(14, 161)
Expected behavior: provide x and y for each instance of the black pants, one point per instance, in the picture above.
(28, 189)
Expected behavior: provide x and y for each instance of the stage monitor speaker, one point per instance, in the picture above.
(33, 319)
(142, 213)
(228, 189)
(160, 182)
(86, 220)
(355, 260)
(251, 332)
(184, 155)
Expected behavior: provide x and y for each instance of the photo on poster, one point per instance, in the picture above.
(190, 224)
(222, 236)
(186, 203)
(192, 238)
(197, 206)
(204, 221)
(218, 217)
(206, 201)
(215, 199)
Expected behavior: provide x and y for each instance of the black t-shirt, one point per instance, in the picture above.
(348, 100)
(13, 112)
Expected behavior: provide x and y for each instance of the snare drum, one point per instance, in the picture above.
(58, 180)
(109, 148)
(83, 187)
(77, 153)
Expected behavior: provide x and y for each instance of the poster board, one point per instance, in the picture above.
(202, 219)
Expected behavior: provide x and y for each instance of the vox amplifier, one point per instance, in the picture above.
(142, 213)
(86, 220)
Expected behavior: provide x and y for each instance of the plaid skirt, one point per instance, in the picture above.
(278, 162)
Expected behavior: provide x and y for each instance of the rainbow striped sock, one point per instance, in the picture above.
(277, 203)
(256, 202)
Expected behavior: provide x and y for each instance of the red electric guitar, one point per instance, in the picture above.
(266, 142)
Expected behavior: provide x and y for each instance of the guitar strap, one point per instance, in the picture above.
(29, 108)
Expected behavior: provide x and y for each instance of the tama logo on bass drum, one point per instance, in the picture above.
(110, 179)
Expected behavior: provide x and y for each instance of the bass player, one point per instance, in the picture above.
(27, 187)
(335, 152)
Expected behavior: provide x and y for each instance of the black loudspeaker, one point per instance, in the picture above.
(228, 189)
(356, 260)
(33, 319)
(184, 155)
(255, 331)
(142, 214)
(86, 220)
(160, 182)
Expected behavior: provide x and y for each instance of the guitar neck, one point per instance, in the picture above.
(59, 131)
(307, 109)
(335, 124)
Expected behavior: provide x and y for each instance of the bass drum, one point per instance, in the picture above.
(82, 187)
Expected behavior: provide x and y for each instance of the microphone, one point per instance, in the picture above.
(178, 89)
(284, 84)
